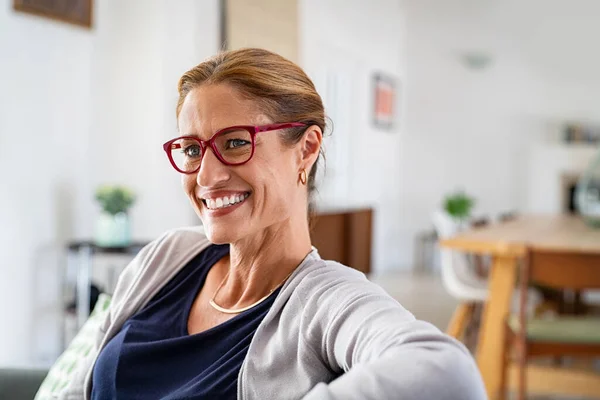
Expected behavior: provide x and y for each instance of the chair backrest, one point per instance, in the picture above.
(554, 269)
(457, 276)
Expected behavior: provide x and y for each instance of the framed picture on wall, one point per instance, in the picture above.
(384, 101)
(78, 12)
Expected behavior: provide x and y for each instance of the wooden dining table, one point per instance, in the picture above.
(565, 245)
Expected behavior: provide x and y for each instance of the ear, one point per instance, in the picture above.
(310, 145)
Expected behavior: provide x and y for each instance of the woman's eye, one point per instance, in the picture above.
(192, 151)
(234, 143)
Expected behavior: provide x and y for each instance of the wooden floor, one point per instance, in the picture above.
(423, 294)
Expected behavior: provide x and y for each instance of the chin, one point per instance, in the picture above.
(220, 235)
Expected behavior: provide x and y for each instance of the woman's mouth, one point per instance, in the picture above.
(217, 203)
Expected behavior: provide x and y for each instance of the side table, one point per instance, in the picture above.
(80, 254)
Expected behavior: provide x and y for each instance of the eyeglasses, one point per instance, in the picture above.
(232, 146)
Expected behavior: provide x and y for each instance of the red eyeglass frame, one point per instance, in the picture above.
(253, 130)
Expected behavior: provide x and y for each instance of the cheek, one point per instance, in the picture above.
(280, 187)
(188, 182)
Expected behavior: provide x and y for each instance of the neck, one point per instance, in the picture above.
(258, 264)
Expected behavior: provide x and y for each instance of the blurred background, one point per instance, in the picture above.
(488, 104)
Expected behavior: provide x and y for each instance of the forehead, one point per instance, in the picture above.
(209, 108)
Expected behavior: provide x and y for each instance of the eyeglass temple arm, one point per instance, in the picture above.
(278, 126)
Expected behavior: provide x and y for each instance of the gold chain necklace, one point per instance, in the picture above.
(239, 310)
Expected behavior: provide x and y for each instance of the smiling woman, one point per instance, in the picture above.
(246, 306)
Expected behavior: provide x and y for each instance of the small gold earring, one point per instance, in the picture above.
(303, 177)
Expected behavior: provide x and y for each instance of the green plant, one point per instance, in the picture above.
(115, 199)
(459, 205)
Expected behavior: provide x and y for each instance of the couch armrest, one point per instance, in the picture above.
(20, 384)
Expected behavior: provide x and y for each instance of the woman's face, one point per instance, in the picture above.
(266, 190)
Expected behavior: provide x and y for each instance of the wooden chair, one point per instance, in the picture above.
(569, 335)
(462, 281)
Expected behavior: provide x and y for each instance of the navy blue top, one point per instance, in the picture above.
(154, 356)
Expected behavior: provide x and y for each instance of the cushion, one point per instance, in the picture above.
(572, 330)
(61, 372)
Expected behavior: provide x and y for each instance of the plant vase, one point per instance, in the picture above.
(113, 230)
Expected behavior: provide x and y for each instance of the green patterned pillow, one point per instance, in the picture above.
(59, 375)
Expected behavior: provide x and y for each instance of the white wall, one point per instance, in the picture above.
(44, 124)
(76, 106)
(478, 130)
(342, 44)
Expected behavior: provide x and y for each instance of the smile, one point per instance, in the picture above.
(217, 203)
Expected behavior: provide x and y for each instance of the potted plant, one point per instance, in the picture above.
(113, 226)
(459, 206)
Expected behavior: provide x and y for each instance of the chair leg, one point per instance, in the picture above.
(461, 317)
(578, 306)
(505, 364)
(522, 395)
(470, 337)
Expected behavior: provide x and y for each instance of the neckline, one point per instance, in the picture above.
(212, 302)
(234, 318)
(313, 255)
(189, 304)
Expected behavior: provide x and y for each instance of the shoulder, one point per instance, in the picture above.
(325, 279)
(174, 242)
(327, 290)
(330, 298)
(172, 246)
(183, 236)
(160, 257)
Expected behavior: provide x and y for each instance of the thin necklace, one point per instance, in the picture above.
(239, 310)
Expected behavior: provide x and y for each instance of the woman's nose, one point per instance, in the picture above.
(212, 171)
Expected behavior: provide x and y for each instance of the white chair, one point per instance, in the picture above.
(458, 277)
(461, 281)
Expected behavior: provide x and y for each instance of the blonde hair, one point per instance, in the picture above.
(282, 89)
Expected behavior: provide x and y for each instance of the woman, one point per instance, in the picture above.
(247, 309)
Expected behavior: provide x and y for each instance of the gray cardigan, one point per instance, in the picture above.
(330, 334)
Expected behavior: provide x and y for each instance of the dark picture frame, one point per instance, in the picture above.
(384, 101)
(76, 12)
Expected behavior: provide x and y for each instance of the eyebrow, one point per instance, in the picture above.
(195, 134)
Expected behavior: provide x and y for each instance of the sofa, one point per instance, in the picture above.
(20, 384)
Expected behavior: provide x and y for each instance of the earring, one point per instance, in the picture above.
(303, 177)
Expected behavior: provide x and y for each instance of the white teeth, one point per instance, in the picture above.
(221, 202)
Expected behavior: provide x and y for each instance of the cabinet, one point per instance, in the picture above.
(344, 236)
